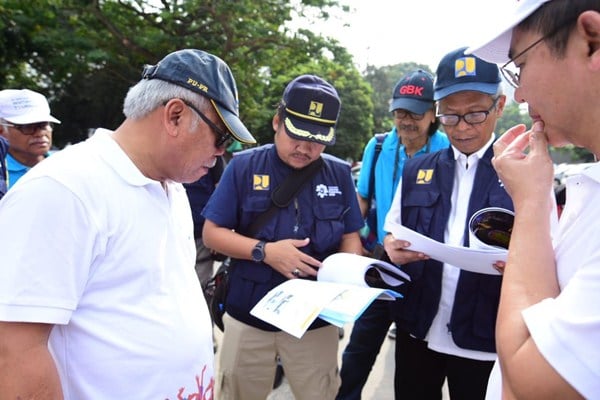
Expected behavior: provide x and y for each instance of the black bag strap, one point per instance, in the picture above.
(285, 192)
(379, 137)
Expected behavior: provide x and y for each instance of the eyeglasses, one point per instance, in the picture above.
(223, 138)
(511, 74)
(403, 114)
(30, 129)
(472, 118)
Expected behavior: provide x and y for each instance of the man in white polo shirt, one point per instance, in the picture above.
(98, 294)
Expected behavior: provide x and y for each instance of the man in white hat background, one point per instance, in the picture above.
(548, 325)
(26, 123)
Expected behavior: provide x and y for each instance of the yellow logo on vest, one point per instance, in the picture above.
(424, 176)
(260, 182)
(316, 109)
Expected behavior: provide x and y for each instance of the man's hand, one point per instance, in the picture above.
(523, 163)
(397, 252)
(284, 257)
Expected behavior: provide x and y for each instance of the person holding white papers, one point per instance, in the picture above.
(549, 315)
(321, 218)
(446, 320)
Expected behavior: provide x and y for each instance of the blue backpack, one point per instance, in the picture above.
(368, 234)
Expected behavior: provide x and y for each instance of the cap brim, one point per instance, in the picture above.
(311, 132)
(412, 105)
(487, 88)
(32, 118)
(234, 124)
(496, 44)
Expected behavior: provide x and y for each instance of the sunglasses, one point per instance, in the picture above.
(401, 114)
(493, 227)
(30, 129)
(223, 139)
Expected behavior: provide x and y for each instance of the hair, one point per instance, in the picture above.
(280, 110)
(435, 125)
(557, 18)
(149, 94)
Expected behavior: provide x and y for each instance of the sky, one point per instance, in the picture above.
(387, 32)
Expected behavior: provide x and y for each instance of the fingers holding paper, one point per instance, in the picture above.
(397, 251)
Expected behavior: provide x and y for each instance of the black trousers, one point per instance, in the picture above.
(420, 372)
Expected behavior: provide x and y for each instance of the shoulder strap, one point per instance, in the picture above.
(285, 192)
(380, 137)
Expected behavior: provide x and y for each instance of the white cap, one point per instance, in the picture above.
(495, 48)
(24, 107)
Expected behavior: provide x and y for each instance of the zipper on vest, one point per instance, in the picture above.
(297, 210)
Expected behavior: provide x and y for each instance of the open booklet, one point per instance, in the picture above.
(489, 235)
(346, 285)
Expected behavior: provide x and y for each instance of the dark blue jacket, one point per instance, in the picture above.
(200, 191)
(426, 209)
(325, 209)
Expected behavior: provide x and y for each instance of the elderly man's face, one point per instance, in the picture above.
(470, 138)
(31, 148)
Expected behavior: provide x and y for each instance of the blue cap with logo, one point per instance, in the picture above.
(312, 107)
(458, 72)
(208, 75)
(414, 92)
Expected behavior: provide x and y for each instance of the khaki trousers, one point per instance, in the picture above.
(247, 362)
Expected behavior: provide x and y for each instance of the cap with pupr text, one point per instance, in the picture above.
(209, 76)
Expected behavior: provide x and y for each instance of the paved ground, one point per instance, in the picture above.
(380, 385)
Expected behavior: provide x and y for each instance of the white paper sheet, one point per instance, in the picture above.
(340, 295)
(469, 259)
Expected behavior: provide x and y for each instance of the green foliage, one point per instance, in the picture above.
(512, 115)
(85, 54)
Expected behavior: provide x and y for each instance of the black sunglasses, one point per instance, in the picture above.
(223, 139)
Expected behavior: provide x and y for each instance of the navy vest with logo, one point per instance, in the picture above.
(426, 209)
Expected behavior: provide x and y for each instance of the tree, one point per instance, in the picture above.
(511, 116)
(85, 54)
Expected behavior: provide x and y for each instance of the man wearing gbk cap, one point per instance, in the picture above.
(321, 218)
(415, 133)
(99, 295)
(446, 320)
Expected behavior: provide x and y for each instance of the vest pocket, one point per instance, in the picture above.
(418, 209)
(328, 228)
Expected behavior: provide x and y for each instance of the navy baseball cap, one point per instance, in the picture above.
(458, 72)
(312, 107)
(414, 92)
(208, 75)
